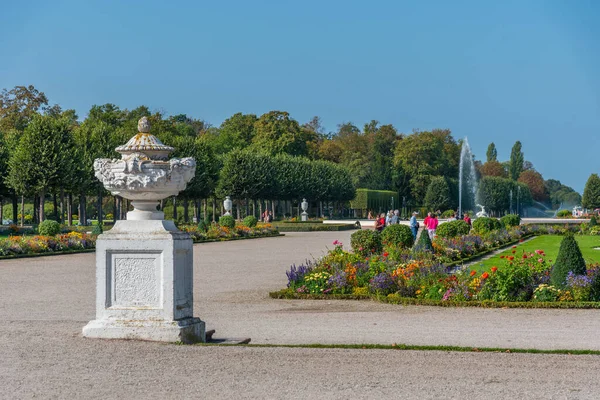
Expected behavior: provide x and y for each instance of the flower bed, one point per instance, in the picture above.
(16, 246)
(216, 232)
(408, 276)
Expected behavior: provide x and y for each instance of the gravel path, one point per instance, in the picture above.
(44, 303)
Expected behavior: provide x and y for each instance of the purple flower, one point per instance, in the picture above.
(383, 283)
(296, 274)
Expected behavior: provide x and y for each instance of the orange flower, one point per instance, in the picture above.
(473, 273)
(485, 275)
(511, 258)
(494, 269)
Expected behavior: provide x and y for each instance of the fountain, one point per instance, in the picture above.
(144, 265)
(467, 179)
(481, 213)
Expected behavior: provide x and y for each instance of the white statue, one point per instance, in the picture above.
(481, 213)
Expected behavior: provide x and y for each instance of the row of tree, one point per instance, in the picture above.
(47, 150)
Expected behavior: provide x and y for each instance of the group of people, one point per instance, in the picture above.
(267, 216)
(391, 218)
(431, 222)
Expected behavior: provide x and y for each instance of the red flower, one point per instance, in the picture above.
(494, 269)
(514, 251)
(521, 241)
(511, 258)
(501, 256)
(473, 272)
(485, 275)
(514, 247)
(386, 254)
(524, 255)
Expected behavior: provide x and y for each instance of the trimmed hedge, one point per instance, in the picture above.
(486, 224)
(452, 229)
(569, 259)
(366, 242)
(367, 199)
(397, 235)
(227, 221)
(510, 220)
(315, 227)
(250, 221)
(396, 299)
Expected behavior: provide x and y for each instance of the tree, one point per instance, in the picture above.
(492, 153)
(515, 166)
(236, 132)
(493, 168)
(276, 132)
(561, 194)
(438, 194)
(421, 156)
(535, 182)
(591, 192)
(18, 106)
(43, 160)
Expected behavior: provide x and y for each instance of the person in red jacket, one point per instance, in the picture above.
(467, 219)
(380, 223)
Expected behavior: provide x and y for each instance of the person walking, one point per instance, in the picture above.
(380, 223)
(395, 218)
(370, 216)
(432, 226)
(414, 224)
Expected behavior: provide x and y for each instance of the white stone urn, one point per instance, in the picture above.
(144, 174)
(227, 205)
(144, 265)
(304, 206)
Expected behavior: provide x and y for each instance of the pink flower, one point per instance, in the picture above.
(540, 260)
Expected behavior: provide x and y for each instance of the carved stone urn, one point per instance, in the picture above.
(304, 206)
(144, 174)
(144, 265)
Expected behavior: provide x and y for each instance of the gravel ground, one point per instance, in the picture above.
(44, 303)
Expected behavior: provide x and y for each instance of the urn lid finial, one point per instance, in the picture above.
(145, 143)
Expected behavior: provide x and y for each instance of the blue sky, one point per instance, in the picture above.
(496, 71)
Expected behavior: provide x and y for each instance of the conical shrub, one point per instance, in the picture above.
(423, 243)
(569, 259)
(593, 221)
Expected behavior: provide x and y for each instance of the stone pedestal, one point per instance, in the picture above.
(144, 279)
(304, 216)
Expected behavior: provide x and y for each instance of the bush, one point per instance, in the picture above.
(97, 230)
(569, 259)
(49, 228)
(593, 221)
(448, 213)
(365, 242)
(564, 214)
(203, 225)
(397, 235)
(510, 220)
(452, 229)
(423, 243)
(485, 225)
(13, 229)
(250, 221)
(227, 221)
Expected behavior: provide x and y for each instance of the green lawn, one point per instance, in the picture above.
(550, 244)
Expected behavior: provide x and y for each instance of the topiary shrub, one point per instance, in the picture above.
(593, 221)
(510, 220)
(250, 221)
(366, 242)
(564, 214)
(452, 229)
(569, 259)
(397, 235)
(486, 225)
(227, 221)
(97, 230)
(423, 243)
(49, 228)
